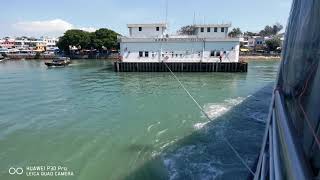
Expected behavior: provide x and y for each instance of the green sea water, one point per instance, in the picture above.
(98, 124)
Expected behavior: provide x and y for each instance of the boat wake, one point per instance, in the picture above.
(207, 169)
(214, 110)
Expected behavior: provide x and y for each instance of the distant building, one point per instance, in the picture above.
(7, 43)
(256, 42)
(25, 44)
(151, 43)
(50, 43)
(244, 42)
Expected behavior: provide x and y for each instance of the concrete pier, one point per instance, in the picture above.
(180, 67)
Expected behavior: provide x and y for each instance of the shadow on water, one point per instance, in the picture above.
(205, 155)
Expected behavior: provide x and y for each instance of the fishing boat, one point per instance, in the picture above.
(59, 62)
(291, 144)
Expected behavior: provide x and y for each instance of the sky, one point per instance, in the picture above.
(53, 17)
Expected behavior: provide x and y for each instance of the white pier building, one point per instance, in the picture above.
(150, 43)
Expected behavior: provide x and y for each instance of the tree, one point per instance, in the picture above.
(271, 30)
(187, 30)
(277, 28)
(248, 33)
(236, 32)
(74, 37)
(104, 37)
(86, 40)
(273, 44)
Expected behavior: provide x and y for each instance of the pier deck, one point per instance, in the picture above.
(180, 67)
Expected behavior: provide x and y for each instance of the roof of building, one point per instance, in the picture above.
(213, 25)
(148, 25)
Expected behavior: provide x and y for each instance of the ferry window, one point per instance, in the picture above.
(222, 29)
(181, 55)
(215, 29)
(157, 29)
(202, 29)
(162, 55)
(208, 29)
(140, 53)
(218, 53)
(224, 52)
(140, 28)
(199, 54)
(212, 53)
(176, 55)
(146, 54)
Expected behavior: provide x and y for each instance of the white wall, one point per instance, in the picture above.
(182, 51)
(212, 34)
(146, 32)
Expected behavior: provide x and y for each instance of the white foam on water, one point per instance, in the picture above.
(257, 116)
(214, 110)
(170, 165)
(161, 132)
(200, 125)
(149, 127)
(168, 143)
(202, 169)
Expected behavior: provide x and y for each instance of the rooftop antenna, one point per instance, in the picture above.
(166, 12)
(194, 18)
(166, 20)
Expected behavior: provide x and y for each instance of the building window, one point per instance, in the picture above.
(212, 53)
(199, 54)
(140, 54)
(202, 29)
(146, 54)
(222, 29)
(157, 28)
(140, 28)
(208, 29)
(215, 29)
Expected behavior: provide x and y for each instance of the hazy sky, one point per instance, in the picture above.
(53, 17)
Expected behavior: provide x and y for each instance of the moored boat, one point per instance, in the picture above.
(59, 62)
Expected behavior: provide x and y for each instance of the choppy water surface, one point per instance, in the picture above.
(106, 125)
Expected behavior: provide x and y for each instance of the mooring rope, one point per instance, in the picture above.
(207, 116)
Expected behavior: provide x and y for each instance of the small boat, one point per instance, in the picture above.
(59, 62)
(2, 58)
